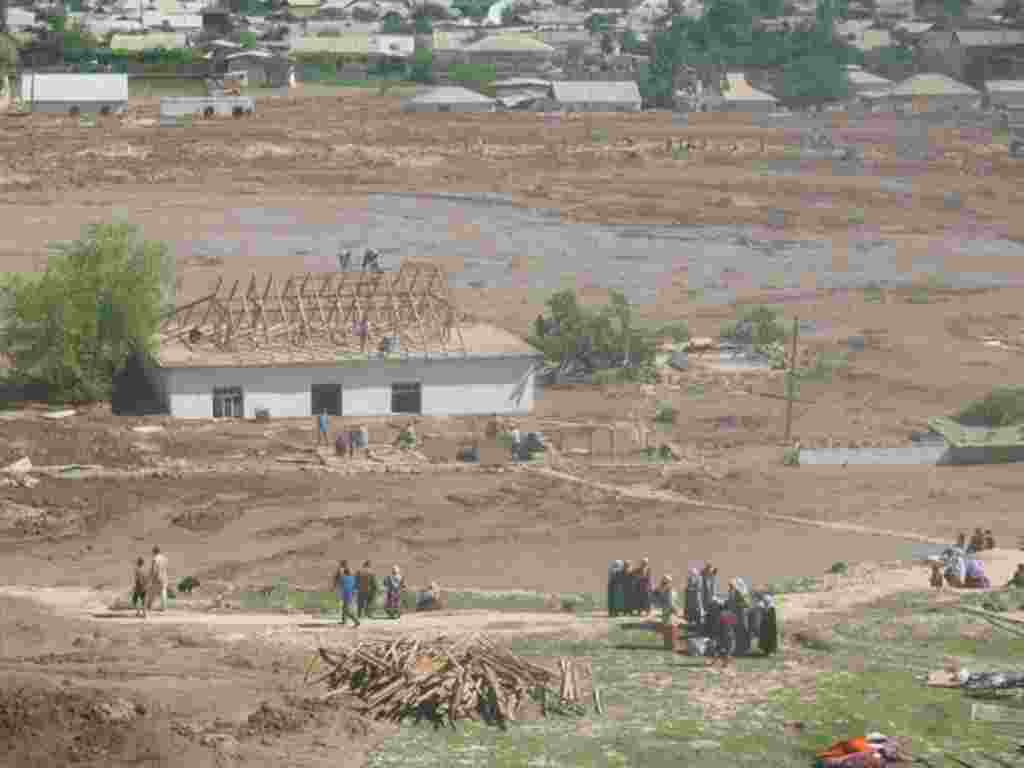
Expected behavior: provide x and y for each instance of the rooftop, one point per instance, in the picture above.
(990, 38)
(959, 436)
(450, 94)
(315, 318)
(512, 42)
(932, 84)
(354, 43)
(596, 91)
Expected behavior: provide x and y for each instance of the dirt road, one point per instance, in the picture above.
(865, 583)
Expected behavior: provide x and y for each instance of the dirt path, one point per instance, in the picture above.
(653, 494)
(865, 584)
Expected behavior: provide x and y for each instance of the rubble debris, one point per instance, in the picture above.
(20, 466)
(446, 680)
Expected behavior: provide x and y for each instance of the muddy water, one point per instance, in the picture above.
(495, 238)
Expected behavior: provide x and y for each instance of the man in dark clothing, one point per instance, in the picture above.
(977, 541)
(367, 590)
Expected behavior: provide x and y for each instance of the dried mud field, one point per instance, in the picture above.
(243, 506)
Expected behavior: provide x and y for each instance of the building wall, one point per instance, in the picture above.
(600, 106)
(449, 387)
(84, 107)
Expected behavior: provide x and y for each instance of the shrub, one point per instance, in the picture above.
(758, 326)
(1002, 407)
(791, 457)
(665, 413)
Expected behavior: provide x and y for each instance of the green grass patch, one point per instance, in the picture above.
(1002, 407)
(873, 293)
(695, 390)
(653, 719)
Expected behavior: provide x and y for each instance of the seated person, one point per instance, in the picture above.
(1017, 580)
(975, 577)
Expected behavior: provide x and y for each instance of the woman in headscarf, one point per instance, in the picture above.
(694, 611)
(739, 604)
(644, 586)
(393, 586)
(615, 588)
(629, 577)
(709, 588)
(974, 575)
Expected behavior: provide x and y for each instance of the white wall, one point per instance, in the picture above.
(449, 387)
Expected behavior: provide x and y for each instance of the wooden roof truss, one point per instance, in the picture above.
(412, 305)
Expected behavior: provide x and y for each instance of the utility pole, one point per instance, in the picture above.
(791, 383)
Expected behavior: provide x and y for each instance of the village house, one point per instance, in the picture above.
(261, 68)
(597, 96)
(862, 82)
(510, 54)
(974, 55)
(449, 98)
(738, 96)
(74, 94)
(933, 92)
(305, 354)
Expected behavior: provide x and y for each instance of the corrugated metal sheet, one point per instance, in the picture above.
(932, 84)
(1005, 86)
(355, 44)
(596, 91)
(74, 88)
(450, 94)
(148, 41)
(393, 45)
(511, 43)
(19, 18)
(990, 38)
(303, 3)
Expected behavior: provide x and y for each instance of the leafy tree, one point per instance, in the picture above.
(421, 69)
(768, 9)
(8, 54)
(391, 24)
(474, 9)
(247, 39)
(630, 40)
(598, 23)
(814, 79)
(99, 299)
(422, 25)
(473, 76)
(671, 48)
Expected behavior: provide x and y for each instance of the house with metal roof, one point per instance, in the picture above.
(863, 82)
(348, 343)
(449, 98)
(74, 94)
(348, 44)
(1005, 93)
(148, 41)
(974, 55)
(597, 96)
(511, 54)
(933, 92)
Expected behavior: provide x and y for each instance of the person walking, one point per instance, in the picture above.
(346, 590)
(157, 580)
(694, 606)
(393, 586)
(139, 588)
(322, 428)
(367, 584)
(644, 587)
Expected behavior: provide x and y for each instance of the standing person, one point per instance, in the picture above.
(990, 540)
(709, 589)
(517, 441)
(367, 582)
(393, 586)
(628, 588)
(956, 568)
(668, 599)
(977, 542)
(346, 590)
(644, 586)
(961, 540)
(322, 427)
(615, 592)
(139, 587)
(341, 446)
(739, 604)
(936, 580)
(694, 609)
(157, 580)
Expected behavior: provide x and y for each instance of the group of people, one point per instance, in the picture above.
(630, 590)
(958, 565)
(348, 443)
(150, 582)
(729, 623)
(357, 592)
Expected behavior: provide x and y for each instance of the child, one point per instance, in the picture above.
(139, 589)
(937, 580)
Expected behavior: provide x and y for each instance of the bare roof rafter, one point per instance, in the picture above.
(413, 305)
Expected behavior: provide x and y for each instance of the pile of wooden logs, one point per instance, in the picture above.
(446, 680)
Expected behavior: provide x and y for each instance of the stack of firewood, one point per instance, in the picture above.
(446, 680)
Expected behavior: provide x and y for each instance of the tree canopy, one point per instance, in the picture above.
(100, 299)
(725, 37)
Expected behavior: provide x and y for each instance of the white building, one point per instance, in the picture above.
(233, 366)
(75, 94)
